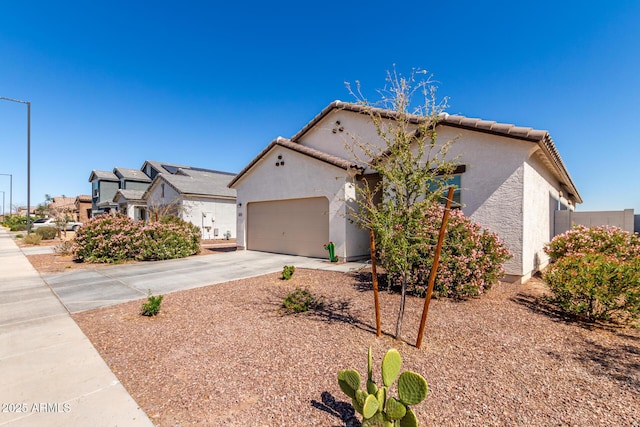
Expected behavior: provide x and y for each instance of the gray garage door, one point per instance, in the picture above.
(295, 227)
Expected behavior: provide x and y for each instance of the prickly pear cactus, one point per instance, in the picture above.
(374, 403)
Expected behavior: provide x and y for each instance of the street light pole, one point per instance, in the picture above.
(28, 157)
(3, 205)
(10, 191)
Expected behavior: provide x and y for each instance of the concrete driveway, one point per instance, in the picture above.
(82, 290)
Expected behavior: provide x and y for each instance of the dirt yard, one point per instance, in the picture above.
(223, 355)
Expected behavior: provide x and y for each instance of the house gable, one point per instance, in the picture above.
(339, 124)
(309, 152)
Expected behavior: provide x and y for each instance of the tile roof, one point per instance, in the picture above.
(62, 203)
(311, 152)
(160, 166)
(103, 176)
(131, 174)
(129, 194)
(199, 183)
(540, 137)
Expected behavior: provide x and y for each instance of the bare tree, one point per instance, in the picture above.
(411, 168)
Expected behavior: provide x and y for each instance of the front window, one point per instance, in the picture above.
(455, 181)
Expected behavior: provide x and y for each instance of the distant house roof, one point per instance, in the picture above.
(131, 174)
(83, 198)
(62, 203)
(102, 176)
(307, 151)
(129, 195)
(162, 167)
(192, 182)
(540, 137)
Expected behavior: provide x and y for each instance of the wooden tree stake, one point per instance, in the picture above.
(434, 267)
(374, 280)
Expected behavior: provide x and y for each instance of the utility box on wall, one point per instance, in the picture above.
(208, 220)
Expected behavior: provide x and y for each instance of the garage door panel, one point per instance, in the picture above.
(296, 226)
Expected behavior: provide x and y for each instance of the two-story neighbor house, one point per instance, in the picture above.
(197, 195)
(292, 197)
(104, 185)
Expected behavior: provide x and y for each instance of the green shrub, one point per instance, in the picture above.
(16, 223)
(300, 300)
(152, 306)
(19, 236)
(471, 260)
(32, 239)
(595, 286)
(47, 233)
(287, 272)
(117, 238)
(169, 238)
(374, 403)
(595, 240)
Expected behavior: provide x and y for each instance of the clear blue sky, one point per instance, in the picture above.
(198, 83)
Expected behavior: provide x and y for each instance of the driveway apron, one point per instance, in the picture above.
(82, 290)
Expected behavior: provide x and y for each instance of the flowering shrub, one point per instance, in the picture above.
(596, 272)
(108, 238)
(602, 240)
(595, 286)
(117, 238)
(169, 238)
(471, 260)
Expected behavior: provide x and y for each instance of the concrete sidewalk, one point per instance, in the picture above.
(50, 373)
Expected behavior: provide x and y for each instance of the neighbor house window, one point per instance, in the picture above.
(162, 190)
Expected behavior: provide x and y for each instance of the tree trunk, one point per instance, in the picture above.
(401, 310)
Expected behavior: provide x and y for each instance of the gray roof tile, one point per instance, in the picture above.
(103, 175)
(129, 194)
(131, 174)
(195, 182)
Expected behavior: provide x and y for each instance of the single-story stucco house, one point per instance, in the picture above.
(292, 197)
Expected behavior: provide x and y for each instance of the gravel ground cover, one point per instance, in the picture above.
(222, 355)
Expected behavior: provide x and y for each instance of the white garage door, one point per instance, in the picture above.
(295, 227)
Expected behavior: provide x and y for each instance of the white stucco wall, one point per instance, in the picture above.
(211, 214)
(542, 192)
(220, 214)
(357, 129)
(299, 177)
(506, 187)
(494, 186)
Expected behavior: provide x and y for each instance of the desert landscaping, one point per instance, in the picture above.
(226, 355)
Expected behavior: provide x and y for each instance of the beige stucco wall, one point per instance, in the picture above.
(299, 177)
(624, 219)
